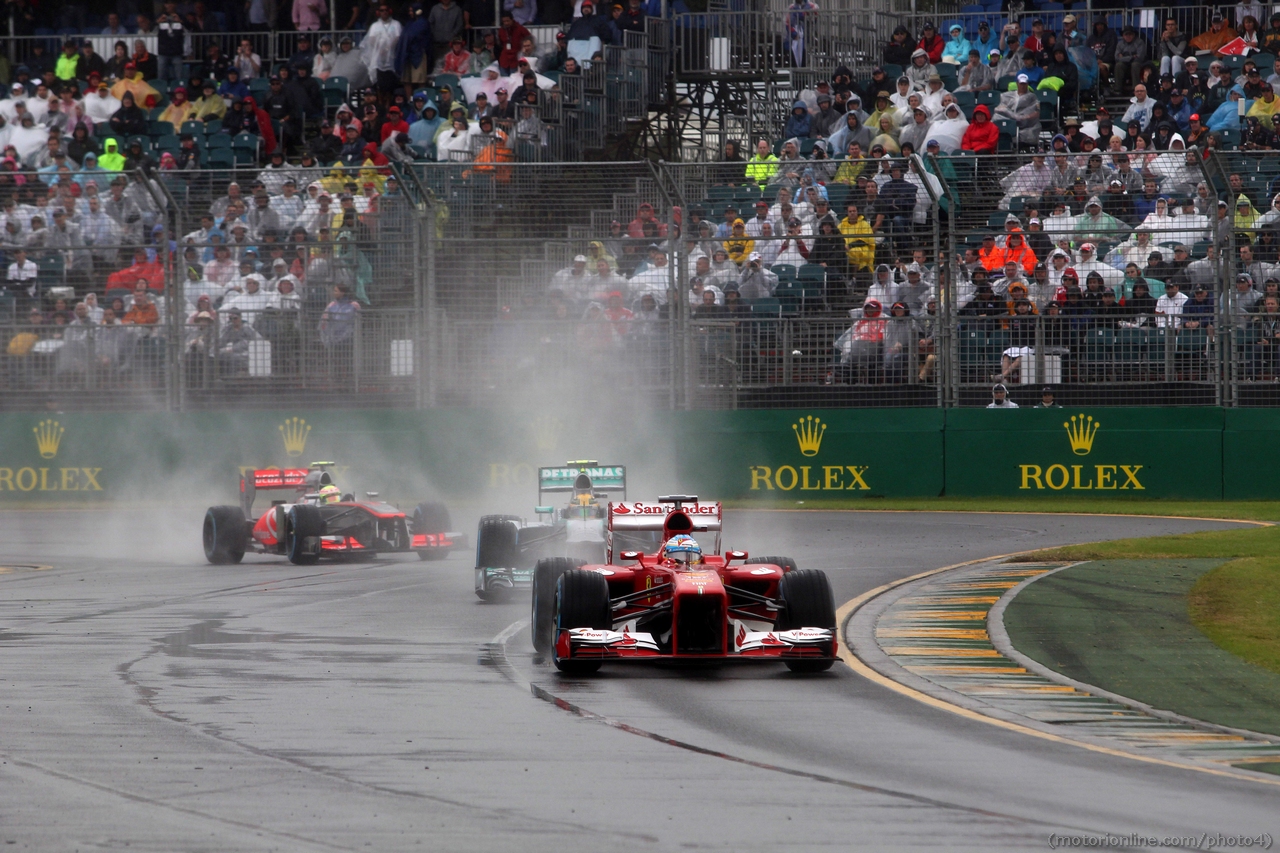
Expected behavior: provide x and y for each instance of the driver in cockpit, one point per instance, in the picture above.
(583, 493)
(683, 550)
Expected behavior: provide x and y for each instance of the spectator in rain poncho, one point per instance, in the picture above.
(917, 130)
(949, 130)
(859, 347)
(906, 115)
(1225, 117)
(920, 70)
(394, 148)
(1246, 217)
(887, 135)
(1096, 226)
(1159, 221)
(1085, 60)
(975, 76)
(91, 172)
(956, 51)
(422, 133)
(1192, 227)
(1134, 250)
(1177, 167)
(854, 105)
(1029, 179)
(936, 96)
(1023, 107)
(851, 130)
(900, 95)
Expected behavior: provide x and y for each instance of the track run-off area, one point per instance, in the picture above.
(149, 699)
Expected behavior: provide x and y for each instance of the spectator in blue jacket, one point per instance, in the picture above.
(986, 41)
(799, 123)
(957, 48)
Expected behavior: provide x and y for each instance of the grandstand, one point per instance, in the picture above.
(929, 204)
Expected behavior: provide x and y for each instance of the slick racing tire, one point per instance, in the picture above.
(497, 541)
(542, 626)
(431, 517)
(582, 601)
(303, 522)
(807, 603)
(223, 535)
(787, 564)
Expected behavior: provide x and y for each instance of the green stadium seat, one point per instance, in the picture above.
(768, 305)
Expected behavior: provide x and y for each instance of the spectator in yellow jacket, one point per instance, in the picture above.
(859, 240)
(763, 165)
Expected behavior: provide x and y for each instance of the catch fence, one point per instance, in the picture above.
(471, 291)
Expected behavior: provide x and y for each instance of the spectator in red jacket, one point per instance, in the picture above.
(510, 37)
(982, 134)
(141, 270)
(645, 216)
(395, 123)
(931, 43)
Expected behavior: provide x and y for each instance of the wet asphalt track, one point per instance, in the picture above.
(157, 702)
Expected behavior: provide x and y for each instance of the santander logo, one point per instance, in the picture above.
(640, 508)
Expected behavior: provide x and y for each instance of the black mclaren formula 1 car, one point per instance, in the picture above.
(320, 522)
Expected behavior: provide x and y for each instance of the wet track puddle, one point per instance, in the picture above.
(209, 640)
(940, 636)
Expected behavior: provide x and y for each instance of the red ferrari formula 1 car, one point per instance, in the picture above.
(663, 598)
(319, 521)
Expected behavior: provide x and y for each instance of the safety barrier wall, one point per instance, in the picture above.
(769, 455)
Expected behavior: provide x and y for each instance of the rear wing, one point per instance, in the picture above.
(641, 524)
(604, 478)
(640, 515)
(269, 479)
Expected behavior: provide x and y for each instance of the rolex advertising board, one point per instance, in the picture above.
(823, 453)
(766, 455)
(1081, 452)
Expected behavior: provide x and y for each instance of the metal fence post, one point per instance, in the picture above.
(171, 217)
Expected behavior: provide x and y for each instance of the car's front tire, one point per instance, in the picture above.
(807, 603)
(582, 601)
(304, 522)
(542, 626)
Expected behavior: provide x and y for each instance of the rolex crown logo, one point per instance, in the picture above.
(809, 434)
(1081, 431)
(48, 437)
(546, 431)
(295, 432)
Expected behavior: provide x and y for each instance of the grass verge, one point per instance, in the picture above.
(1124, 626)
(1237, 605)
(1245, 510)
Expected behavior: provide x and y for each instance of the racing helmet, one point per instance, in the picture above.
(683, 549)
(330, 494)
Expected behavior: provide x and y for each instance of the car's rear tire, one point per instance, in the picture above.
(807, 603)
(542, 626)
(787, 564)
(430, 517)
(582, 601)
(223, 535)
(303, 522)
(497, 546)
